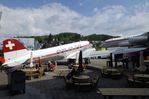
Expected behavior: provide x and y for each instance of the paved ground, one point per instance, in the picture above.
(49, 87)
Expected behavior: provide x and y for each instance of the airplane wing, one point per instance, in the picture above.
(73, 55)
(104, 54)
(86, 53)
(128, 50)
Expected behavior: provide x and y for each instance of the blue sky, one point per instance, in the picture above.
(84, 7)
(41, 17)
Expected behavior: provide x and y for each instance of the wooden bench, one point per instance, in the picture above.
(108, 93)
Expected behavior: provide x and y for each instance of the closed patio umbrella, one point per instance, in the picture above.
(80, 68)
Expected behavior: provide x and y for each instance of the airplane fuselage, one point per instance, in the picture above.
(15, 53)
(63, 50)
(132, 41)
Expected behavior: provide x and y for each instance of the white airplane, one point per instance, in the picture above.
(15, 53)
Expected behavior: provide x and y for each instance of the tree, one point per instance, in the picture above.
(50, 38)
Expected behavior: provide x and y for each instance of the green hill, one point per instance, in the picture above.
(68, 37)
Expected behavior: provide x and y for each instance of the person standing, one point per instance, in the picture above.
(39, 62)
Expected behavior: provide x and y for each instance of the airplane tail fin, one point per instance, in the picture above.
(12, 49)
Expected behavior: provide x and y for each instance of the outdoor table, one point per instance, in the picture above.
(30, 69)
(112, 70)
(112, 73)
(30, 72)
(80, 78)
(141, 77)
(87, 72)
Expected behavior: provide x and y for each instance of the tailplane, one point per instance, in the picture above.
(13, 49)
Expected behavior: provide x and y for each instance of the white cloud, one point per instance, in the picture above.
(56, 18)
(95, 9)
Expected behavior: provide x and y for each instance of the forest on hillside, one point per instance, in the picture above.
(68, 37)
